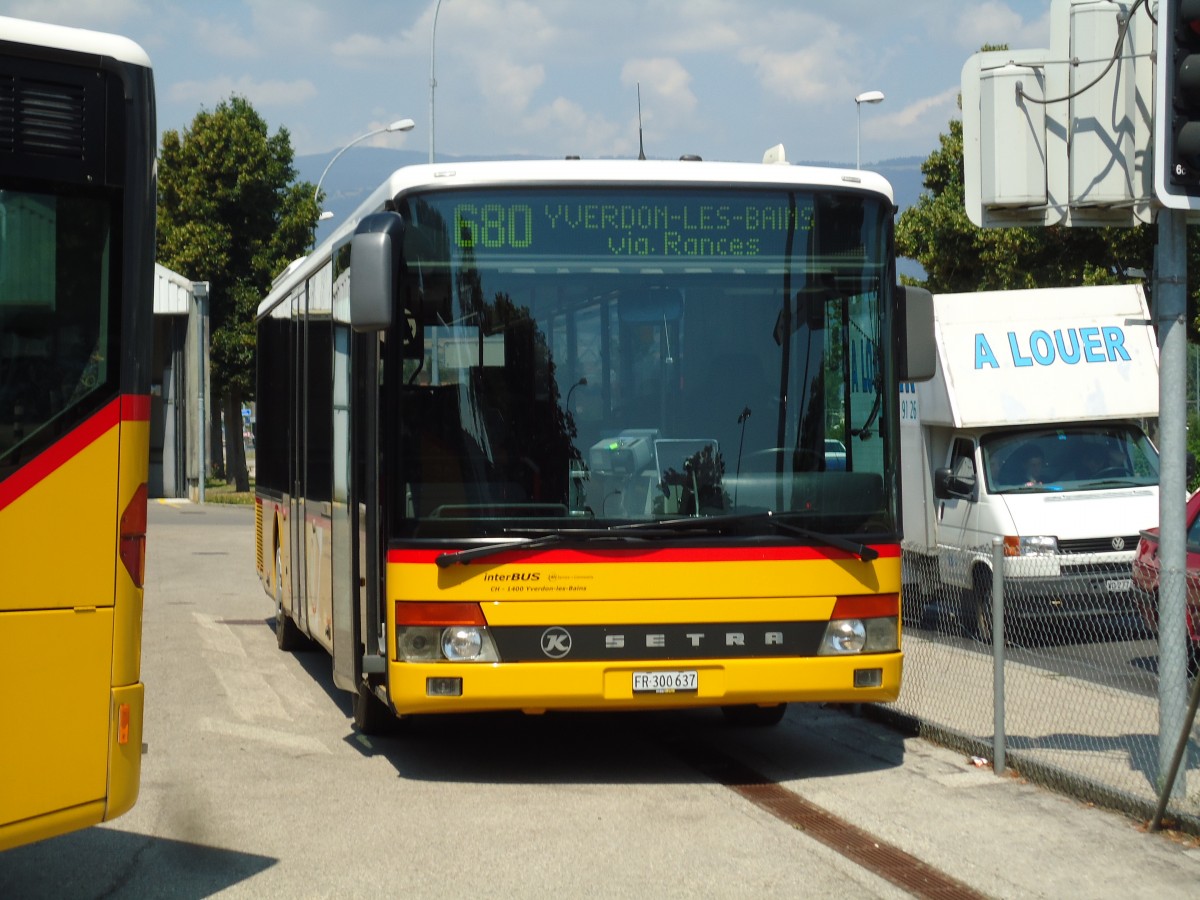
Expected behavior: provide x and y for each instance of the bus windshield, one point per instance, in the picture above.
(596, 356)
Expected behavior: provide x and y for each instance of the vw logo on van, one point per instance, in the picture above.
(1118, 543)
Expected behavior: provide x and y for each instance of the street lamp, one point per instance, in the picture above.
(398, 125)
(432, 79)
(582, 382)
(865, 97)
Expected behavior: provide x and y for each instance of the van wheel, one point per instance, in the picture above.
(912, 605)
(754, 716)
(371, 716)
(287, 636)
(975, 609)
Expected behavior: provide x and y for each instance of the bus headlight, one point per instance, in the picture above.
(468, 643)
(845, 636)
(418, 644)
(454, 643)
(442, 632)
(848, 636)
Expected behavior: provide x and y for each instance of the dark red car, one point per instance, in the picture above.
(1145, 579)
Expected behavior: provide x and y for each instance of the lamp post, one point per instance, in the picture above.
(582, 382)
(865, 97)
(398, 125)
(432, 79)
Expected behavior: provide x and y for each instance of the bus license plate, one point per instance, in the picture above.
(1118, 585)
(665, 682)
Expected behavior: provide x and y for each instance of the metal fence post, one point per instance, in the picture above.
(998, 655)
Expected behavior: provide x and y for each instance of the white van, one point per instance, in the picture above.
(1031, 431)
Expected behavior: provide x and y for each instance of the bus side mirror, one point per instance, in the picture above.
(916, 349)
(376, 252)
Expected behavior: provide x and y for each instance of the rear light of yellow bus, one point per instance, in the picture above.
(132, 546)
(442, 632)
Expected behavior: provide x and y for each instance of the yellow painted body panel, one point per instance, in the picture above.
(61, 534)
(55, 752)
(70, 643)
(125, 760)
(648, 612)
(609, 685)
(134, 471)
(635, 580)
(575, 593)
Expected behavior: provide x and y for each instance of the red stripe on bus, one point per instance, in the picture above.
(135, 407)
(676, 554)
(125, 408)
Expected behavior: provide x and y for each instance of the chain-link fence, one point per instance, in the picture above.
(1074, 695)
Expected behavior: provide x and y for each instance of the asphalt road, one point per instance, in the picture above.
(254, 784)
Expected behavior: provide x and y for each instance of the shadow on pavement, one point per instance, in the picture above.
(105, 862)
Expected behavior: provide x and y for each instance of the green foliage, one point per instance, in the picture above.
(230, 213)
(1193, 449)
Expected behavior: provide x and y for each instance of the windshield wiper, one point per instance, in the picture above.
(541, 539)
(775, 520)
(1114, 483)
(654, 529)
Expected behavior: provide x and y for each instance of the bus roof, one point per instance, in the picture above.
(575, 172)
(40, 34)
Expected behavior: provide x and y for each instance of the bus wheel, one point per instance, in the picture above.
(287, 635)
(754, 716)
(975, 611)
(371, 716)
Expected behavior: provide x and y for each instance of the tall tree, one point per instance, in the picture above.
(231, 213)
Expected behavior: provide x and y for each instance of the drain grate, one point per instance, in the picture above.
(860, 847)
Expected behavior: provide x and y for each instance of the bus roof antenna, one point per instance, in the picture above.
(641, 147)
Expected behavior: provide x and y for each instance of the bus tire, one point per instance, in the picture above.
(751, 716)
(287, 636)
(371, 716)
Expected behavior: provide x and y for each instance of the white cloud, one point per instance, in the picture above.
(515, 25)
(98, 14)
(291, 24)
(508, 86)
(926, 116)
(664, 81)
(564, 127)
(224, 39)
(992, 22)
(810, 75)
(259, 93)
(365, 49)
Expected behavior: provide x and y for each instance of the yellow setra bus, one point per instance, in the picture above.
(591, 435)
(77, 143)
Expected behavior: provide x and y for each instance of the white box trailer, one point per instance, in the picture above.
(1061, 378)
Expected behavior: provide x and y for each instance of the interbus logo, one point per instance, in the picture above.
(556, 642)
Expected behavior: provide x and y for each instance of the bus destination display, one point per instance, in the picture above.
(670, 226)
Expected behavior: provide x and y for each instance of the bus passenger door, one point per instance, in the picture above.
(345, 569)
(298, 462)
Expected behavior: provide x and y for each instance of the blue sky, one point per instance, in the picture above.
(724, 79)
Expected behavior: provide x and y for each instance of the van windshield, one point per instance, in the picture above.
(1084, 457)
